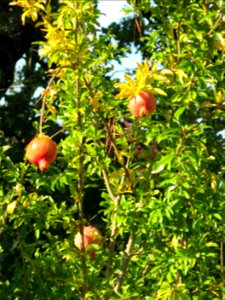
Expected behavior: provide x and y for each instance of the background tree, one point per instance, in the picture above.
(154, 186)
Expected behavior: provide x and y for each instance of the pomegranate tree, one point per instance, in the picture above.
(142, 105)
(41, 151)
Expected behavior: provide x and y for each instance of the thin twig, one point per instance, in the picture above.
(58, 132)
(178, 42)
(138, 25)
(215, 25)
(43, 103)
(221, 257)
(42, 114)
(80, 184)
(112, 240)
(126, 259)
(108, 187)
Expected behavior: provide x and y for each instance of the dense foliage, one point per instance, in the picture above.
(154, 186)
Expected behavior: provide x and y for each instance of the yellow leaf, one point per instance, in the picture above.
(171, 59)
(219, 96)
(11, 207)
(213, 181)
(19, 188)
(33, 15)
(128, 79)
(40, 5)
(166, 72)
(19, 3)
(158, 91)
(219, 42)
(181, 75)
(95, 100)
(142, 85)
(46, 92)
(146, 67)
(170, 31)
(44, 51)
(215, 293)
(50, 92)
(120, 159)
(52, 109)
(121, 85)
(126, 91)
(161, 78)
(23, 17)
(154, 68)
(175, 241)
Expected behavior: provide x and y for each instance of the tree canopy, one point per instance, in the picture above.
(152, 185)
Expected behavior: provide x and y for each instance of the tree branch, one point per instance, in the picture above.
(80, 184)
(216, 24)
(43, 103)
(126, 259)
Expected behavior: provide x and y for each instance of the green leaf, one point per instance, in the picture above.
(218, 216)
(179, 112)
(211, 244)
(164, 162)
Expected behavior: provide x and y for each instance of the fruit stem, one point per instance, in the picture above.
(42, 114)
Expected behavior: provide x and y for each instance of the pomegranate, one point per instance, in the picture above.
(41, 151)
(142, 105)
(91, 236)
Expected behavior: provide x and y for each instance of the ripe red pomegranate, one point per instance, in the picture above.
(91, 236)
(142, 105)
(41, 151)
